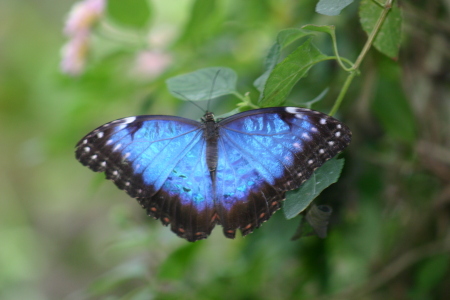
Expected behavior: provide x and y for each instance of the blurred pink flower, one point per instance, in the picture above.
(74, 54)
(150, 64)
(81, 19)
(83, 16)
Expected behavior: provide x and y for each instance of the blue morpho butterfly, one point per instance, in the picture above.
(233, 172)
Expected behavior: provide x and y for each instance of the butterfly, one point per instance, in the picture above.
(234, 172)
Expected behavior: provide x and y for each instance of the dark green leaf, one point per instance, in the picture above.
(131, 13)
(298, 200)
(388, 38)
(431, 272)
(332, 7)
(314, 221)
(288, 72)
(203, 84)
(391, 106)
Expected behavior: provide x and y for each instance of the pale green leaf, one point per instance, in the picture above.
(203, 84)
(332, 7)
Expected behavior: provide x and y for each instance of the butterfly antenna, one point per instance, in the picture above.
(212, 89)
(193, 102)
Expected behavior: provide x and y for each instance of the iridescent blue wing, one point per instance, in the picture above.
(265, 152)
(161, 161)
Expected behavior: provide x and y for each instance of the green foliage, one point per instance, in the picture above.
(288, 72)
(388, 39)
(178, 264)
(66, 235)
(391, 106)
(284, 38)
(428, 276)
(205, 19)
(130, 13)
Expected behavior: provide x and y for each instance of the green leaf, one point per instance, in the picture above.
(388, 38)
(284, 38)
(288, 36)
(314, 221)
(298, 200)
(332, 7)
(391, 106)
(205, 19)
(431, 273)
(178, 262)
(131, 13)
(288, 72)
(203, 84)
(320, 28)
(119, 276)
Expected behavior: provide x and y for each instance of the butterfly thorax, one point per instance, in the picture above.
(211, 136)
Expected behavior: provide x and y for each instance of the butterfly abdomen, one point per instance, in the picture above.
(211, 136)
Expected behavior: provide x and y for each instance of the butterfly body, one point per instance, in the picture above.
(234, 172)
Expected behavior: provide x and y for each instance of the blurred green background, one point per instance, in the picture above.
(66, 233)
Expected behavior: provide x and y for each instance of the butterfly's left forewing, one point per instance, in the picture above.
(264, 153)
(161, 161)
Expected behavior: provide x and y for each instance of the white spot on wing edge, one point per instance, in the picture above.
(126, 155)
(338, 134)
(103, 164)
(87, 149)
(116, 147)
(331, 143)
(323, 121)
(321, 151)
(100, 134)
(129, 120)
(310, 161)
(291, 110)
(339, 126)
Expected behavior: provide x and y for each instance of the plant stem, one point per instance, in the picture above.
(373, 34)
(354, 70)
(342, 93)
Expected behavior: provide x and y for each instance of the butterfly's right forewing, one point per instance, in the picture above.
(266, 152)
